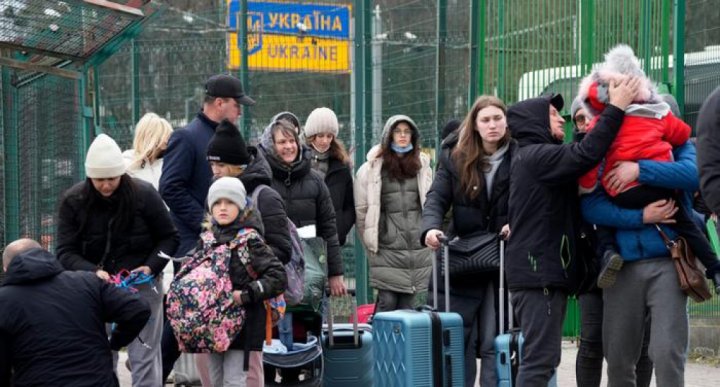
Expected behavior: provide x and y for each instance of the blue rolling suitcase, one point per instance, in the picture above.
(347, 352)
(420, 348)
(508, 346)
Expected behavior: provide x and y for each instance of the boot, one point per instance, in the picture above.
(611, 263)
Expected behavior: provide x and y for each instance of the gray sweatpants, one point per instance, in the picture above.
(646, 287)
(146, 360)
(226, 369)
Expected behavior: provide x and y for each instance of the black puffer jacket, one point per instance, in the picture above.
(52, 324)
(544, 209)
(270, 205)
(271, 281)
(468, 215)
(150, 232)
(708, 150)
(340, 184)
(308, 202)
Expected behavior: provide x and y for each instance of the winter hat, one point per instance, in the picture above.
(104, 159)
(230, 188)
(575, 106)
(620, 63)
(321, 120)
(228, 146)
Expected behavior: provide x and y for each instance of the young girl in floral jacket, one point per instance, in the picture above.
(233, 224)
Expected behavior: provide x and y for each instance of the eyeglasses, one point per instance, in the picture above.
(406, 132)
(580, 119)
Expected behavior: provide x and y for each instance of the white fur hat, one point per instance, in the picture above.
(230, 188)
(321, 120)
(104, 159)
(620, 63)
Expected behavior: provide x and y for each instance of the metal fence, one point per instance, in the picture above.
(424, 58)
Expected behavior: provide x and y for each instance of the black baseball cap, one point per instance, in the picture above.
(227, 86)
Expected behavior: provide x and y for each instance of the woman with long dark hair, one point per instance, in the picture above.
(390, 189)
(110, 223)
(473, 178)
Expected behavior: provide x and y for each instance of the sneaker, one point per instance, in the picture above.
(612, 262)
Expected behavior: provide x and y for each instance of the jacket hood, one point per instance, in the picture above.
(392, 121)
(32, 265)
(266, 140)
(258, 171)
(451, 140)
(529, 120)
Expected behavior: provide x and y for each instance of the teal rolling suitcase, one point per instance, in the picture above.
(420, 348)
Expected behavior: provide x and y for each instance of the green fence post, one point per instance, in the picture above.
(12, 161)
(244, 71)
(441, 36)
(679, 55)
(134, 80)
(360, 72)
(477, 50)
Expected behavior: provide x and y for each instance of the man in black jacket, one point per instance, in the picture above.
(708, 150)
(544, 219)
(52, 325)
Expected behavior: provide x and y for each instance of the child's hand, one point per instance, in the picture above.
(622, 174)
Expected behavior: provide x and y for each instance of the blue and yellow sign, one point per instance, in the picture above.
(292, 37)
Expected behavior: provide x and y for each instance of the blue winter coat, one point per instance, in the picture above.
(186, 177)
(636, 240)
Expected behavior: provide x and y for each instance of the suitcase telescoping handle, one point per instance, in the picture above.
(353, 307)
(446, 269)
(502, 292)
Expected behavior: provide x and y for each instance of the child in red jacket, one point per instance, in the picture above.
(649, 131)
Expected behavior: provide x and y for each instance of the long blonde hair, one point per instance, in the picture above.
(469, 154)
(151, 135)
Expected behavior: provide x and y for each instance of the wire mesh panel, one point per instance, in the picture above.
(549, 47)
(47, 119)
(702, 58)
(66, 29)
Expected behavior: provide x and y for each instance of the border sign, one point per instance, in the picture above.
(292, 36)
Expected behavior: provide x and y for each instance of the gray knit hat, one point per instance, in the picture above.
(321, 120)
(230, 188)
(104, 159)
(575, 106)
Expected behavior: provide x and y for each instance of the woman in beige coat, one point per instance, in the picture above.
(390, 190)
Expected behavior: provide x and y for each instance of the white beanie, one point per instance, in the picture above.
(230, 188)
(321, 120)
(104, 159)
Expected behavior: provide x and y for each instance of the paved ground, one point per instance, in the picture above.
(696, 375)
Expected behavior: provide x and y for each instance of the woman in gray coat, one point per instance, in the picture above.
(390, 190)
